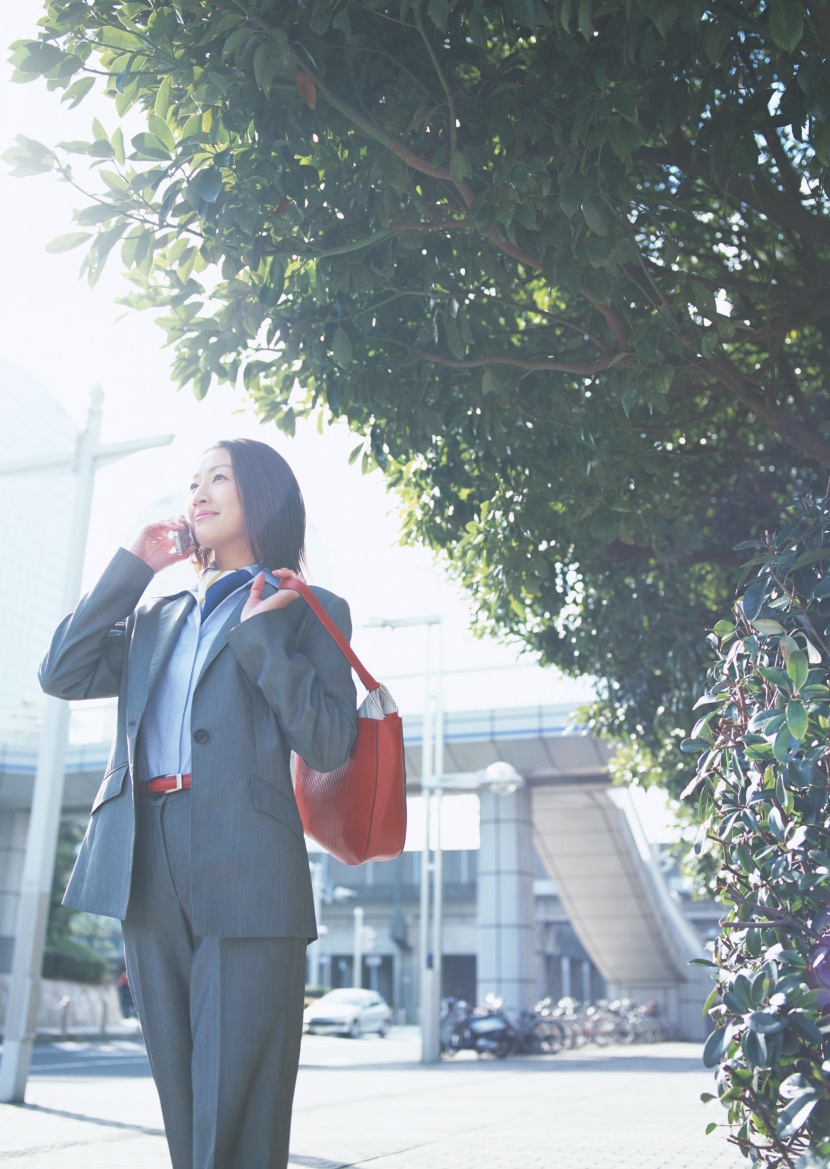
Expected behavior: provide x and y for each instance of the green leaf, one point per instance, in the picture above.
(438, 13)
(119, 38)
(805, 1026)
(786, 23)
(490, 384)
(766, 1022)
(712, 998)
(40, 57)
(755, 1048)
(723, 627)
(265, 67)
(148, 147)
(65, 243)
(341, 347)
(77, 91)
(460, 168)
(717, 1046)
(162, 131)
(767, 627)
(798, 668)
(162, 102)
(814, 556)
(796, 1114)
(753, 598)
(797, 719)
(97, 213)
(237, 39)
(596, 214)
(777, 677)
(117, 143)
(209, 184)
(524, 12)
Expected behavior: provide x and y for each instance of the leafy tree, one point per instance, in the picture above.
(762, 784)
(564, 267)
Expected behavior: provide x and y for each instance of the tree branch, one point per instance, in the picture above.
(802, 437)
(376, 132)
(588, 369)
(757, 192)
(613, 319)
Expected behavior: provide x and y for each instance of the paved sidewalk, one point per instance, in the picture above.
(370, 1103)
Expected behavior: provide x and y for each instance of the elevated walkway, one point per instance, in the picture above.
(589, 838)
(591, 842)
(586, 832)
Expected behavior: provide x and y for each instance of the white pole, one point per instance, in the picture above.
(314, 949)
(357, 967)
(429, 987)
(431, 867)
(44, 821)
(438, 862)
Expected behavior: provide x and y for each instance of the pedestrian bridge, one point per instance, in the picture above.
(590, 840)
(586, 833)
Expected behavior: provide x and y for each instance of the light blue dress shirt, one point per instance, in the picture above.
(164, 742)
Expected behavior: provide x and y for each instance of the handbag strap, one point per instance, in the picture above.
(299, 586)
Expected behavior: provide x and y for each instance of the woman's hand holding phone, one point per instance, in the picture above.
(279, 600)
(154, 543)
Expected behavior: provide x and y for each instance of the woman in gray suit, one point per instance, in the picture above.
(194, 840)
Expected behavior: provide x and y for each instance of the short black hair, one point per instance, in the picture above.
(272, 504)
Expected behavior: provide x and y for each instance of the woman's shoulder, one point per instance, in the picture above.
(327, 598)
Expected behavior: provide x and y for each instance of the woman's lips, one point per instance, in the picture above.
(204, 515)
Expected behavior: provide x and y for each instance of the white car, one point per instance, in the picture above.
(348, 1011)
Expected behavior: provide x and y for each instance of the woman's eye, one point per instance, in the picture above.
(219, 476)
(193, 486)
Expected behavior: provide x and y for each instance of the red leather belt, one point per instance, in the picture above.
(163, 783)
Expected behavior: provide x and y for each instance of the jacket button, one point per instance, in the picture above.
(201, 736)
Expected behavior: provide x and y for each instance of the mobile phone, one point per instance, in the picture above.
(184, 539)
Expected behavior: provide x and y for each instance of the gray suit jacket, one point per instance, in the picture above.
(270, 685)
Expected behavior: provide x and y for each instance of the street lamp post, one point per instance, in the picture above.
(357, 947)
(39, 863)
(432, 758)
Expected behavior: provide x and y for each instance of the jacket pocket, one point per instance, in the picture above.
(272, 802)
(111, 786)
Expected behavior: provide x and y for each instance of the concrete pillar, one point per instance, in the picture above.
(506, 928)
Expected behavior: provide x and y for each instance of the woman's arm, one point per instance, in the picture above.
(87, 650)
(308, 685)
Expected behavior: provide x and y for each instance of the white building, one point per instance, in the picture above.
(35, 513)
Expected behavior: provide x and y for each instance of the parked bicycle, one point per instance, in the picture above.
(551, 1027)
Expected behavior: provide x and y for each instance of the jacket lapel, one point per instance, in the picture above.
(220, 640)
(152, 649)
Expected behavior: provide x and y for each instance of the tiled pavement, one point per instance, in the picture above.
(370, 1103)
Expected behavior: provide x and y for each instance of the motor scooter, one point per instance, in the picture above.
(486, 1032)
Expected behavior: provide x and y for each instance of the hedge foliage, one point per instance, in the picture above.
(74, 961)
(764, 797)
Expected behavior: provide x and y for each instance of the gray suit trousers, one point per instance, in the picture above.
(222, 1017)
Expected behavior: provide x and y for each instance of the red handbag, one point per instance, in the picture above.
(358, 811)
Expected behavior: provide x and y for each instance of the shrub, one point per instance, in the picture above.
(764, 797)
(74, 962)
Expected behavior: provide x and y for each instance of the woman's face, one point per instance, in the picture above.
(215, 510)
